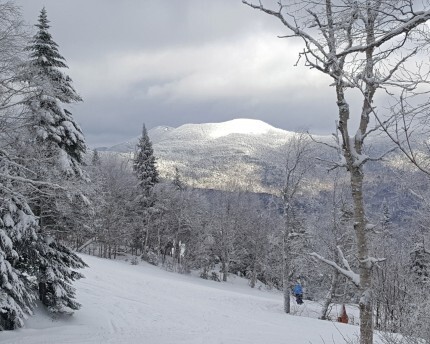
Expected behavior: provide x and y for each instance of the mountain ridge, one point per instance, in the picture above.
(254, 160)
(245, 152)
(212, 130)
(241, 153)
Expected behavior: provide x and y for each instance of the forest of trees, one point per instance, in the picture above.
(57, 197)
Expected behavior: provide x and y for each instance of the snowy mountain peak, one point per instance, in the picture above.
(211, 155)
(240, 126)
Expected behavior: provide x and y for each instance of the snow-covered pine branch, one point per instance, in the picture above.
(30, 181)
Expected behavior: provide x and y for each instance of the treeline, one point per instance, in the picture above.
(271, 240)
(182, 228)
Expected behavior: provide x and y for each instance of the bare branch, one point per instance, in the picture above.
(347, 272)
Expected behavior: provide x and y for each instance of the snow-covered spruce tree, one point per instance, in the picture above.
(56, 275)
(95, 159)
(420, 264)
(17, 228)
(18, 225)
(144, 165)
(53, 125)
(56, 144)
(145, 170)
(18, 237)
(177, 180)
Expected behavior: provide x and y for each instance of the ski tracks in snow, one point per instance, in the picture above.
(129, 304)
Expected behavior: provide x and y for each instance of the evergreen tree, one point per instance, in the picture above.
(52, 125)
(144, 165)
(420, 264)
(29, 171)
(57, 146)
(386, 222)
(18, 225)
(145, 170)
(16, 293)
(18, 228)
(95, 160)
(177, 181)
(56, 274)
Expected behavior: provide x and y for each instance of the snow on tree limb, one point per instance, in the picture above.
(371, 261)
(347, 272)
(31, 181)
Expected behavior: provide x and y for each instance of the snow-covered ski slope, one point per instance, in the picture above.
(124, 303)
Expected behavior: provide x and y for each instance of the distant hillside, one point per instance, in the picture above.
(244, 153)
(241, 152)
(250, 155)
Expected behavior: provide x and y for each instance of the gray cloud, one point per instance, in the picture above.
(171, 62)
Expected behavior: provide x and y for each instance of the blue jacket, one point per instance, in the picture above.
(298, 289)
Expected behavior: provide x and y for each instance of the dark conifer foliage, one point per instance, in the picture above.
(420, 264)
(145, 170)
(177, 181)
(95, 159)
(44, 51)
(17, 236)
(52, 88)
(144, 164)
(56, 276)
(56, 146)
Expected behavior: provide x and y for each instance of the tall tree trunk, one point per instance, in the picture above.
(286, 273)
(366, 307)
(145, 244)
(253, 279)
(224, 269)
(287, 307)
(352, 147)
(159, 249)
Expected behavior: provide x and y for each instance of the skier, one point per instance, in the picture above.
(298, 293)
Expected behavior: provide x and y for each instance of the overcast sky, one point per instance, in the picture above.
(172, 62)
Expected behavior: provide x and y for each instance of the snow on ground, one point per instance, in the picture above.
(124, 303)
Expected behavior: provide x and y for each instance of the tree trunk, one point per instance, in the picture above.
(159, 249)
(287, 293)
(145, 245)
(253, 280)
(366, 308)
(224, 270)
(351, 148)
(330, 295)
(286, 273)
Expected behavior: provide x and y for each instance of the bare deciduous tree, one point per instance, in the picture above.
(297, 167)
(362, 45)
